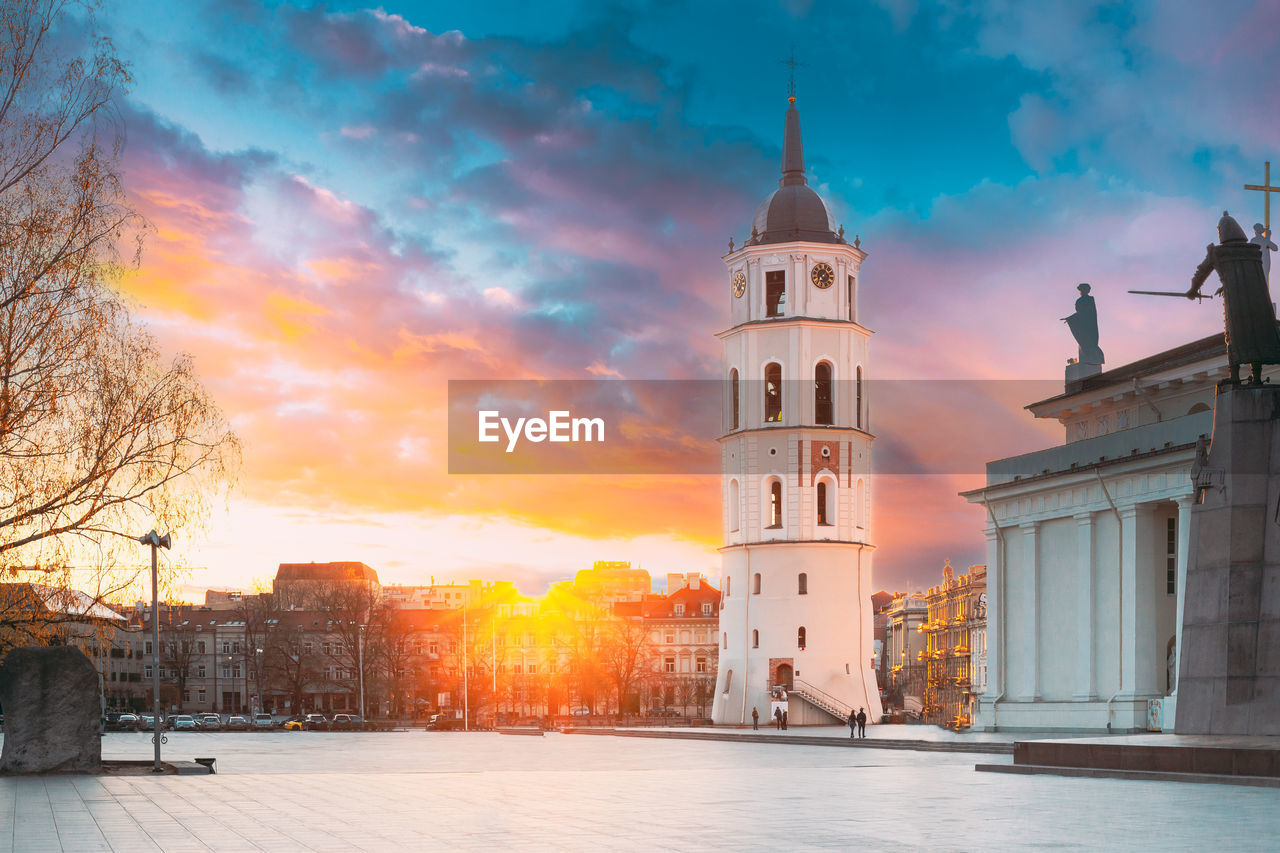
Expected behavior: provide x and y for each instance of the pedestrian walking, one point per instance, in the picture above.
(853, 723)
(862, 723)
(777, 718)
(755, 719)
(784, 720)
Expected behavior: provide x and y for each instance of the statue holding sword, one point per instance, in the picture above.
(1251, 331)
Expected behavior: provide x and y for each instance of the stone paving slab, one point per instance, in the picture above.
(435, 791)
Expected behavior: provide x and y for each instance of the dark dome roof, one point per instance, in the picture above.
(793, 211)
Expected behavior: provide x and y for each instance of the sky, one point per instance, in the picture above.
(352, 205)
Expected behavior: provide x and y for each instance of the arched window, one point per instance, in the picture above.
(726, 645)
(859, 508)
(775, 503)
(755, 584)
(728, 678)
(800, 637)
(775, 293)
(822, 394)
(733, 505)
(823, 517)
(733, 393)
(803, 583)
(773, 393)
(853, 301)
(755, 639)
(859, 400)
(727, 581)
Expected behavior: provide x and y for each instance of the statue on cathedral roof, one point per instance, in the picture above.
(1251, 333)
(1084, 327)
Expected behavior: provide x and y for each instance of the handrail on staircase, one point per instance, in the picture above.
(806, 687)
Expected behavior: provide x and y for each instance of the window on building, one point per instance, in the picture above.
(823, 518)
(773, 393)
(533, 669)
(755, 584)
(755, 638)
(668, 664)
(734, 510)
(148, 647)
(700, 665)
(235, 648)
(800, 637)
(853, 302)
(775, 293)
(669, 637)
(200, 647)
(433, 647)
(146, 672)
(518, 669)
(728, 677)
(200, 672)
(802, 583)
(235, 671)
(1171, 556)
(706, 610)
(858, 398)
(226, 647)
(679, 609)
(726, 639)
(859, 504)
(200, 695)
(775, 503)
(822, 405)
(734, 398)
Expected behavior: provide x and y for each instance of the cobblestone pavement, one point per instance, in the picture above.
(407, 791)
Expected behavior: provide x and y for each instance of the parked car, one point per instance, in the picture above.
(210, 722)
(581, 712)
(263, 721)
(146, 722)
(348, 723)
(295, 724)
(316, 723)
(444, 723)
(237, 723)
(184, 722)
(127, 723)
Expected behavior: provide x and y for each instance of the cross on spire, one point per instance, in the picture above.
(791, 83)
(1266, 189)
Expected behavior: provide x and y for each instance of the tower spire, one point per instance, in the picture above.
(792, 149)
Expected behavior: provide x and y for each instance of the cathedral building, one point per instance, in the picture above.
(796, 462)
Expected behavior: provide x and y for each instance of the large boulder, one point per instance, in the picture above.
(51, 711)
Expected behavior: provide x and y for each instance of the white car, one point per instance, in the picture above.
(263, 721)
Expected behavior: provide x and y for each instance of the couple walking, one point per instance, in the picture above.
(858, 723)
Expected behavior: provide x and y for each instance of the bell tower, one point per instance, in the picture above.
(796, 463)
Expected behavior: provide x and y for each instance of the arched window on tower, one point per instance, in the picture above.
(755, 584)
(733, 505)
(775, 293)
(755, 638)
(733, 393)
(773, 392)
(801, 638)
(859, 395)
(822, 394)
(726, 586)
(853, 301)
(726, 645)
(859, 508)
(823, 517)
(802, 583)
(775, 503)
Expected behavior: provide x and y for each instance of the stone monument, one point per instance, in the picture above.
(51, 711)
(1084, 328)
(1229, 682)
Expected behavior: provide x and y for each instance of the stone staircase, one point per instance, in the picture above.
(820, 700)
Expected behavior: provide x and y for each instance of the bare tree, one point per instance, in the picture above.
(625, 654)
(100, 437)
(178, 647)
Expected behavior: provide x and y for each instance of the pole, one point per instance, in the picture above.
(361, 663)
(465, 707)
(155, 656)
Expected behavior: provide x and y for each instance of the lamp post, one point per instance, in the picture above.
(361, 665)
(155, 540)
(257, 676)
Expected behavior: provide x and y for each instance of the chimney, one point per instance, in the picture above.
(695, 580)
(675, 581)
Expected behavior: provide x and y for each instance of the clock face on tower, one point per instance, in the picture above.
(823, 276)
(739, 284)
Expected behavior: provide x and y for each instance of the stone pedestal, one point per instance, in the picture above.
(1229, 681)
(51, 711)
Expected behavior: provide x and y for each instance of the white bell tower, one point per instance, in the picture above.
(796, 462)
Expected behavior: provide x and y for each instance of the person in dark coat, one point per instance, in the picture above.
(755, 719)
(777, 718)
(853, 723)
(784, 720)
(862, 723)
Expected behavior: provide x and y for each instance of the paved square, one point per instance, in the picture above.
(457, 791)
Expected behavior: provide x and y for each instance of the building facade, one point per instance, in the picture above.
(905, 652)
(1087, 549)
(953, 617)
(796, 462)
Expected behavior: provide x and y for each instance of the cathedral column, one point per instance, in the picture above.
(1184, 546)
(1086, 677)
(1030, 570)
(1137, 610)
(996, 615)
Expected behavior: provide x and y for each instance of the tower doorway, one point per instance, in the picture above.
(784, 675)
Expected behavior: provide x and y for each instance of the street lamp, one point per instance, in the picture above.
(361, 664)
(257, 674)
(155, 540)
